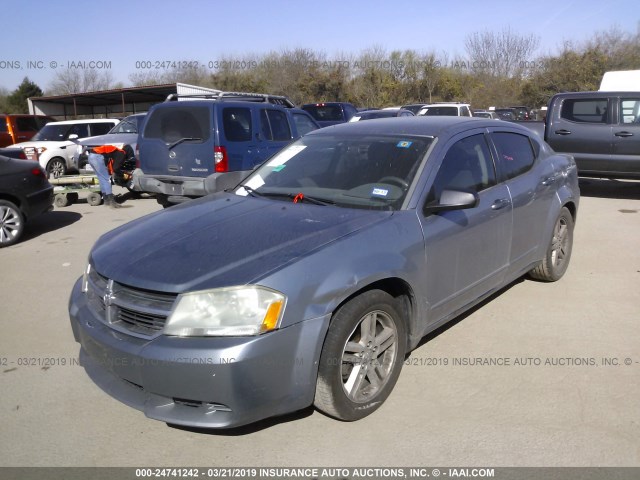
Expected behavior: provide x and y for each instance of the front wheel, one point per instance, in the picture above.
(11, 223)
(56, 168)
(556, 259)
(361, 357)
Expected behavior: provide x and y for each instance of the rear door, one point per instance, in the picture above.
(24, 128)
(581, 126)
(532, 185)
(626, 137)
(177, 140)
(275, 132)
(238, 132)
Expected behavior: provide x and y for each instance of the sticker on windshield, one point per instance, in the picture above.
(286, 155)
(379, 192)
(278, 168)
(404, 144)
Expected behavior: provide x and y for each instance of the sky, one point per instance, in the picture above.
(42, 38)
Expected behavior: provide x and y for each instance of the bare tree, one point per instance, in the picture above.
(501, 54)
(77, 80)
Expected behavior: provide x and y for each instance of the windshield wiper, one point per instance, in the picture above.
(296, 197)
(185, 139)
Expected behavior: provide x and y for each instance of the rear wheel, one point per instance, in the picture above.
(56, 168)
(61, 200)
(94, 199)
(361, 357)
(11, 223)
(558, 254)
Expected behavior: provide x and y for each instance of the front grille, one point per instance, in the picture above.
(141, 313)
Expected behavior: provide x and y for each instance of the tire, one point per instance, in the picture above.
(61, 200)
(365, 344)
(56, 168)
(11, 223)
(94, 199)
(558, 254)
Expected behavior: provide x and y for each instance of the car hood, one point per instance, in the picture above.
(223, 240)
(43, 143)
(111, 139)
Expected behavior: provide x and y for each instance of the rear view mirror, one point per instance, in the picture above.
(452, 200)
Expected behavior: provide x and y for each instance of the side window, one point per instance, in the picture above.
(274, 125)
(26, 124)
(100, 128)
(79, 129)
(467, 165)
(630, 111)
(3, 124)
(464, 112)
(304, 124)
(591, 110)
(237, 124)
(515, 153)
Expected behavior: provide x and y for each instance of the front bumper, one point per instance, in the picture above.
(211, 382)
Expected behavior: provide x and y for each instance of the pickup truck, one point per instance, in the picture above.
(601, 130)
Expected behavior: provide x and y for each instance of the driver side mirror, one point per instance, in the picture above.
(452, 200)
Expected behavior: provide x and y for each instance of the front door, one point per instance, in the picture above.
(467, 251)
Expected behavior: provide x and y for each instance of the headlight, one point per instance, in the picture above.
(234, 311)
(41, 149)
(85, 278)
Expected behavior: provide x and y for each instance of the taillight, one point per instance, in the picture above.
(221, 159)
(38, 172)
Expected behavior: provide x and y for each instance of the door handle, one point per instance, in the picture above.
(623, 134)
(549, 180)
(500, 203)
(563, 132)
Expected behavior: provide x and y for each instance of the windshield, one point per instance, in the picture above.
(325, 113)
(52, 132)
(128, 125)
(357, 171)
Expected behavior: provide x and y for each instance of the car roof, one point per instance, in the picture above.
(423, 126)
(88, 120)
(223, 101)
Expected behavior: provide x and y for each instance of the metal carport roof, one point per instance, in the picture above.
(108, 103)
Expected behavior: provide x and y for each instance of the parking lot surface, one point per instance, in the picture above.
(538, 375)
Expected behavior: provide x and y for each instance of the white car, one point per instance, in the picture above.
(446, 109)
(53, 147)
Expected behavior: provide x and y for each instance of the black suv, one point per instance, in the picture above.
(207, 143)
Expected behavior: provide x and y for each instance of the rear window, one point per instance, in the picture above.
(592, 110)
(325, 113)
(237, 124)
(176, 123)
(100, 128)
(515, 153)
(3, 124)
(274, 125)
(445, 111)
